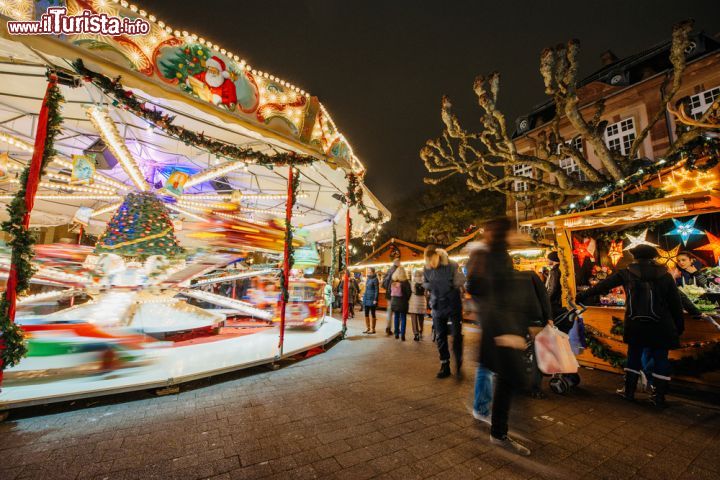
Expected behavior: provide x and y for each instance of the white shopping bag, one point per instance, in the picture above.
(554, 353)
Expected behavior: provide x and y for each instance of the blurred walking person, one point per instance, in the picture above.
(500, 295)
(370, 300)
(444, 280)
(418, 304)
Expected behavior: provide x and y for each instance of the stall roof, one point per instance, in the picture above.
(382, 256)
(456, 247)
(657, 209)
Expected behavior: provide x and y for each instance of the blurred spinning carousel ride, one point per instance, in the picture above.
(168, 186)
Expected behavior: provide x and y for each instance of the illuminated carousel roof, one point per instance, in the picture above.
(271, 116)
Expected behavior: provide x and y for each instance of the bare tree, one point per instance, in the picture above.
(487, 157)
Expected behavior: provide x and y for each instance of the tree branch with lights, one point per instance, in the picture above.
(486, 157)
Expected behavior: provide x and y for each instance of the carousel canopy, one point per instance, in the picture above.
(262, 114)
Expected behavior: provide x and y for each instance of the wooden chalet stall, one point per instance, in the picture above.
(594, 243)
(410, 255)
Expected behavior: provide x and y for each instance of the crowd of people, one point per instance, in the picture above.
(513, 306)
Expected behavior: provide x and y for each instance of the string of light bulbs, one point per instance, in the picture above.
(215, 172)
(116, 144)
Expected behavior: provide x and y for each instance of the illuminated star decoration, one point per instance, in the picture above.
(713, 246)
(636, 240)
(615, 252)
(668, 257)
(582, 250)
(685, 230)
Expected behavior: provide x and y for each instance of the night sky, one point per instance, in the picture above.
(380, 67)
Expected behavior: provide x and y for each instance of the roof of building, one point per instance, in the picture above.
(622, 73)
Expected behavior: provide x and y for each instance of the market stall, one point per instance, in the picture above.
(409, 254)
(171, 159)
(683, 223)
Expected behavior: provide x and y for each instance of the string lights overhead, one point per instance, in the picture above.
(116, 144)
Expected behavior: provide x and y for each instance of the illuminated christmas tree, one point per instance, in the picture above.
(140, 228)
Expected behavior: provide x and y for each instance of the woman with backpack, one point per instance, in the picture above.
(653, 319)
(418, 304)
(400, 293)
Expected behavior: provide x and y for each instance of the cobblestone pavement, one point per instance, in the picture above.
(370, 407)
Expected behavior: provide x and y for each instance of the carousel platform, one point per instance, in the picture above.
(171, 365)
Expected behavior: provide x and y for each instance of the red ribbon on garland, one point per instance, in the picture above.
(346, 277)
(286, 258)
(31, 188)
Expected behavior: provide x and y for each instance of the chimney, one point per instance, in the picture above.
(608, 58)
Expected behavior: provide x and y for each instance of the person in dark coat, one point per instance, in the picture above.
(387, 279)
(400, 292)
(653, 318)
(352, 292)
(504, 301)
(443, 279)
(370, 300)
(552, 284)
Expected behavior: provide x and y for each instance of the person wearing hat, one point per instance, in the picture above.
(653, 318)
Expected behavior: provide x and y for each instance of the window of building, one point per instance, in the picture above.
(569, 164)
(701, 102)
(522, 171)
(620, 136)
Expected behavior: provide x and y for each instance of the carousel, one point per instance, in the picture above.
(162, 203)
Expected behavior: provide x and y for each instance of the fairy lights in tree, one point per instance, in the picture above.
(684, 181)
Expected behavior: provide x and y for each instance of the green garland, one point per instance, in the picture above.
(355, 199)
(618, 327)
(127, 100)
(604, 236)
(602, 351)
(22, 241)
(700, 147)
(331, 274)
(690, 365)
(289, 233)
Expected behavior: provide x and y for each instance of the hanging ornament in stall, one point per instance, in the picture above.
(175, 183)
(83, 170)
(668, 257)
(636, 240)
(615, 252)
(713, 246)
(584, 250)
(685, 230)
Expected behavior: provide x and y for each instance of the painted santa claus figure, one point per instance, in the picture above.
(217, 79)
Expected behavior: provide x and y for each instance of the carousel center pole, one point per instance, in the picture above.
(286, 261)
(346, 274)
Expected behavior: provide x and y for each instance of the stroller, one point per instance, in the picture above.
(562, 383)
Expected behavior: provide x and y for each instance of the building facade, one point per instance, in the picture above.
(630, 89)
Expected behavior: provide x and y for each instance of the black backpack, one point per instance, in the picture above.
(641, 300)
(419, 289)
